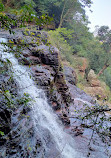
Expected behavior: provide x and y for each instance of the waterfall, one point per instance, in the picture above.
(43, 114)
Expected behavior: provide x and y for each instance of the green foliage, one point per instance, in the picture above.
(63, 11)
(11, 101)
(24, 100)
(16, 4)
(2, 133)
(1, 7)
(6, 22)
(23, 16)
(96, 56)
(107, 76)
(58, 39)
(103, 33)
(104, 36)
(81, 38)
(78, 41)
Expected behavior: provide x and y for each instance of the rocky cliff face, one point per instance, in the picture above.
(19, 139)
(48, 73)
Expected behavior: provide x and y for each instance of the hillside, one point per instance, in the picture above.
(90, 83)
(89, 58)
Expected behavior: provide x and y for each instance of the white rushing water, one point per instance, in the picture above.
(42, 112)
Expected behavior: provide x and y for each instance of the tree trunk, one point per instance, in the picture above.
(61, 19)
(104, 68)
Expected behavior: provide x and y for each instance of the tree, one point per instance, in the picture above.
(81, 38)
(71, 8)
(104, 36)
(63, 10)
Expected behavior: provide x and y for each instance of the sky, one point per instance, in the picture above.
(101, 14)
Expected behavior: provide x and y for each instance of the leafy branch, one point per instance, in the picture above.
(98, 119)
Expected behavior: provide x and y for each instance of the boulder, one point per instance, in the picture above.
(93, 80)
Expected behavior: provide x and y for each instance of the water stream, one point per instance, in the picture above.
(43, 114)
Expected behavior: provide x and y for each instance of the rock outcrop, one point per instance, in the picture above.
(95, 87)
(92, 79)
(19, 138)
(70, 75)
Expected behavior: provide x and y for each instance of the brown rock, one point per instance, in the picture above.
(95, 83)
(93, 80)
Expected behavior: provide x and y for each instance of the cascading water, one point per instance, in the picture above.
(42, 112)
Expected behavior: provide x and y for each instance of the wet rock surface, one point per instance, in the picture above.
(20, 139)
(70, 75)
(80, 131)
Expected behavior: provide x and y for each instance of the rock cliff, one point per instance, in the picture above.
(19, 138)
